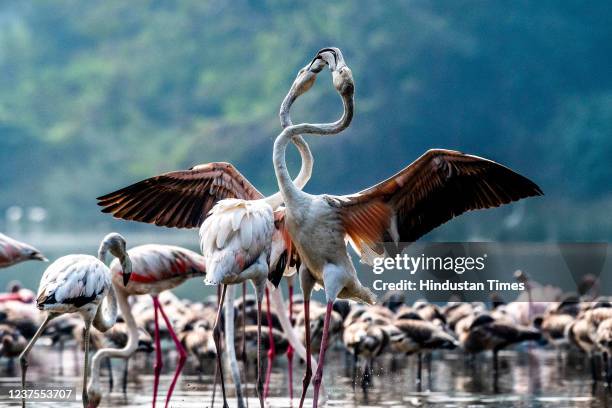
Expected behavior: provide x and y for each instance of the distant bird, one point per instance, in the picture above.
(440, 185)
(420, 336)
(12, 342)
(15, 291)
(197, 338)
(393, 299)
(455, 312)
(603, 340)
(81, 284)
(365, 340)
(316, 322)
(555, 320)
(596, 315)
(13, 252)
(23, 315)
(553, 328)
(578, 335)
(156, 268)
(487, 333)
(280, 341)
(237, 223)
(430, 313)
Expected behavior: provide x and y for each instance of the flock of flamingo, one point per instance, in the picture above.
(245, 236)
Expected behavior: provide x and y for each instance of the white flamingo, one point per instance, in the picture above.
(155, 268)
(436, 187)
(81, 284)
(237, 222)
(13, 252)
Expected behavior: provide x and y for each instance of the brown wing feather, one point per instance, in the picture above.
(179, 199)
(436, 187)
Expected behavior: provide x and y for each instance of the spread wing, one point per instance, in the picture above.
(179, 199)
(438, 186)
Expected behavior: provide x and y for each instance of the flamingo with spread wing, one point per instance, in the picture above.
(438, 186)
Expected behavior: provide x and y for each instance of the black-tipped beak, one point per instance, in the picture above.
(332, 56)
(276, 275)
(126, 267)
(126, 278)
(38, 256)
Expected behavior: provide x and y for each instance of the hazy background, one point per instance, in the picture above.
(96, 95)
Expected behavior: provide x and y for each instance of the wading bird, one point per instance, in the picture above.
(156, 268)
(13, 252)
(421, 336)
(81, 284)
(487, 333)
(438, 186)
(12, 343)
(237, 224)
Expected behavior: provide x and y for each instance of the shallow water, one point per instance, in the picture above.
(528, 378)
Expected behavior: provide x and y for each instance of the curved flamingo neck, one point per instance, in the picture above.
(289, 191)
(125, 352)
(106, 316)
(305, 173)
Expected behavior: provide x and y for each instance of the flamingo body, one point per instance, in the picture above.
(157, 268)
(73, 284)
(234, 236)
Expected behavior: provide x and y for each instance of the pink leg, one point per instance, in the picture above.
(259, 382)
(179, 347)
(158, 356)
(308, 373)
(272, 347)
(290, 349)
(319, 374)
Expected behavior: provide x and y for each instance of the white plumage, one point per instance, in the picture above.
(80, 284)
(235, 234)
(73, 282)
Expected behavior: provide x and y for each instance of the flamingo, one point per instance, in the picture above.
(156, 268)
(197, 339)
(438, 186)
(12, 343)
(367, 334)
(236, 221)
(487, 333)
(80, 284)
(421, 336)
(13, 252)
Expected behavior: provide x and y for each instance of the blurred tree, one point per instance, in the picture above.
(99, 94)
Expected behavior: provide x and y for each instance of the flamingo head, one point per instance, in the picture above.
(94, 396)
(341, 74)
(116, 244)
(29, 252)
